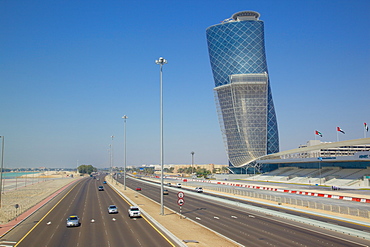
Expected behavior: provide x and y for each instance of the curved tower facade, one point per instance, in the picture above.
(242, 88)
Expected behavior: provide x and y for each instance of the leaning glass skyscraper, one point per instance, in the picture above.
(242, 88)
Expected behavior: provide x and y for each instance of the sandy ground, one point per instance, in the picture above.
(51, 174)
(28, 194)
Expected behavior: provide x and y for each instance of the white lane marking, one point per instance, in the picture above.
(7, 243)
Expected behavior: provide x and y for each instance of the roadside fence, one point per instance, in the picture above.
(294, 201)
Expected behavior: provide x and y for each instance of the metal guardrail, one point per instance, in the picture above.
(298, 202)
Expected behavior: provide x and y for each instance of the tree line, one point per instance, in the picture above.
(86, 169)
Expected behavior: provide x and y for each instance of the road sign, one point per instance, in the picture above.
(180, 201)
(180, 194)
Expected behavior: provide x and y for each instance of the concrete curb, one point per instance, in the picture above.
(316, 223)
(151, 219)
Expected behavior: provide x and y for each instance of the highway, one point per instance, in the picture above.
(98, 228)
(244, 226)
(310, 216)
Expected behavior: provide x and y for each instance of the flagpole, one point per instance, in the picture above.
(365, 129)
(337, 136)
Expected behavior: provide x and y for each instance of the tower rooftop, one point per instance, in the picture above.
(245, 15)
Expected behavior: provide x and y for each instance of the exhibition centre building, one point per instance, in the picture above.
(344, 154)
(344, 163)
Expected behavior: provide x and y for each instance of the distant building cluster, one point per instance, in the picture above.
(176, 168)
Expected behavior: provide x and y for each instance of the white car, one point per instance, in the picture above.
(73, 220)
(134, 211)
(178, 185)
(199, 189)
(112, 209)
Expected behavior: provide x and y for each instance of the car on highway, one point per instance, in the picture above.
(112, 209)
(73, 220)
(138, 189)
(199, 189)
(178, 185)
(101, 188)
(134, 211)
(104, 182)
(168, 184)
(165, 192)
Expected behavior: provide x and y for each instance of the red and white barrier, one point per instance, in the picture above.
(346, 198)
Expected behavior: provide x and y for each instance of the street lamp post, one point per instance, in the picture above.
(111, 158)
(161, 61)
(320, 159)
(124, 169)
(2, 166)
(192, 163)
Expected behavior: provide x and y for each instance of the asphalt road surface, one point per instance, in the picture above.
(98, 228)
(244, 226)
(364, 206)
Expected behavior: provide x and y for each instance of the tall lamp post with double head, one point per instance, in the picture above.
(161, 61)
(124, 168)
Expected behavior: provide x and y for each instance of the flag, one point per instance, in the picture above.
(318, 133)
(340, 130)
(366, 127)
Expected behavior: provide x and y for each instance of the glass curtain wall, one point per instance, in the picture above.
(243, 94)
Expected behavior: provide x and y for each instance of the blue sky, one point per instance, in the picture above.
(69, 70)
